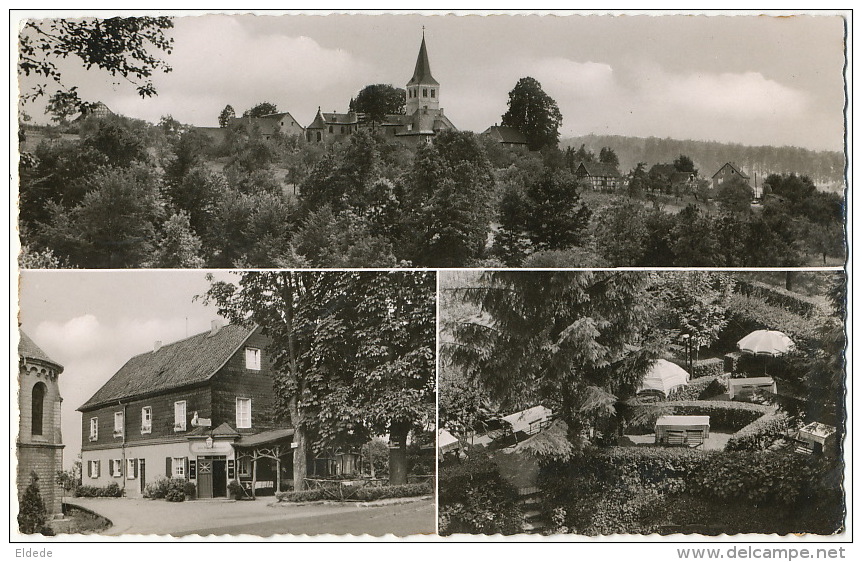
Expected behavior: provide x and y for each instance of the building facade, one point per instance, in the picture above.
(40, 442)
(728, 171)
(181, 411)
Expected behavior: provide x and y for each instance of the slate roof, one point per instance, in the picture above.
(27, 349)
(186, 362)
(507, 135)
(422, 72)
(599, 169)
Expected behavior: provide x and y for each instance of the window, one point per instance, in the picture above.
(118, 424)
(319, 137)
(38, 408)
(432, 92)
(94, 429)
(131, 469)
(180, 415)
(146, 419)
(245, 466)
(243, 413)
(93, 469)
(116, 467)
(330, 128)
(179, 467)
(342, 129)
(252, 358)
(424, 92)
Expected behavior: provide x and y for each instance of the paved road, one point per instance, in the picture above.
(259, 518)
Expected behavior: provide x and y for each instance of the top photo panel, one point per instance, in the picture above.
(438, 141)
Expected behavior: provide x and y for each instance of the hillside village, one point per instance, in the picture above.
(264, 189)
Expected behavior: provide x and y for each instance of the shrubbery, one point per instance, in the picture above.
(759, 434)
(707, 367)
(722, 414)
(474, 498)
(171, 489)
(112, 490)
(703, 388)
(33, 516)
(365, 493)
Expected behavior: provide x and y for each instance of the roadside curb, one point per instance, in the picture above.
(375, 503)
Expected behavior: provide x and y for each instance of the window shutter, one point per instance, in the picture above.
(135, 467)
(119, 467)
(186, 467)
(98, 468)
(168, 471)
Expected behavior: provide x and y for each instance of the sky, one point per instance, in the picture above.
(92, 322)
(755, 80)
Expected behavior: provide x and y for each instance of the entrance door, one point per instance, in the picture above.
(205, 478)
(142, 473)
(219, 478)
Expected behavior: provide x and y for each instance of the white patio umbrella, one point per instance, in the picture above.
(767, 343)
(664, 376)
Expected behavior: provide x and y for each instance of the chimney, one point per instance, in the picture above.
(157, 345)
(215, 327)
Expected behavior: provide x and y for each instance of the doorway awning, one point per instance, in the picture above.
(264, 438)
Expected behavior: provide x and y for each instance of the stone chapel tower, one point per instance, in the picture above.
(40, 444)
(423, 91)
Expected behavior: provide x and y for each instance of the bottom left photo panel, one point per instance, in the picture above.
(191, 403)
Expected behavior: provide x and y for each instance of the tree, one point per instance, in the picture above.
(32, 516)
(584, 155)
(608, 156)
(638, 180)
(693, 240)
(225, 116)
(119, 46)
(735, 195)
(261, 109)
(377, 101)
(178, 246)
(534, 113)
(621, 232)
(562, 339)
(684, 164)
(353, 353)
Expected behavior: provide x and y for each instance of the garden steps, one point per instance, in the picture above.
(530, 502)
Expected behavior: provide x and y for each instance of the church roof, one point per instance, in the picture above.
(504, 134)
(422, 72)
(27, 349)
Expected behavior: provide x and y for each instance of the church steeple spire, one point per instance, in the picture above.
(423, 91)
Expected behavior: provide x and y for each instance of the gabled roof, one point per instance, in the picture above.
(599, 169)
(735, 167)
(422, 72)
(504, 134)
(186, 362)
(27, 349)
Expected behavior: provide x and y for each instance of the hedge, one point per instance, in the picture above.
(365, 493)
(171, 489)
(112, 490)
(723, 415)
(707, 367)
(759, 434)
(703, 388)
(778, 296)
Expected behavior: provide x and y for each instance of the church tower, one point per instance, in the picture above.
(40, 443)
(423, 92)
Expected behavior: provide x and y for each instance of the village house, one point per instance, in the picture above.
(726, 172)
(40, 442)
(275, 123)
(506, 136)
(600, 176)
(199, 409)
(423, 117)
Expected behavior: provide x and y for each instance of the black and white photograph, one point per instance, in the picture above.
(638, 403)
(251, 403)
(440, 141)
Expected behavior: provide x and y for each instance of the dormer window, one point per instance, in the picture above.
(252, 358)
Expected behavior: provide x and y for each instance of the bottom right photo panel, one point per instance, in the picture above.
(641, 402)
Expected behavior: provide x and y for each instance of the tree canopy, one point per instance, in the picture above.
(120, 46)
(534, 113)
(261, 109)
(353, 353)
(378, 100)
(225, 116)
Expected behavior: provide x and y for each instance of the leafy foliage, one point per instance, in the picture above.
(225, 116)
(377, 101)
(534, 113)
(112, 490)
(474, 498)
(261, 109)
(119, 46)
(32, 516)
